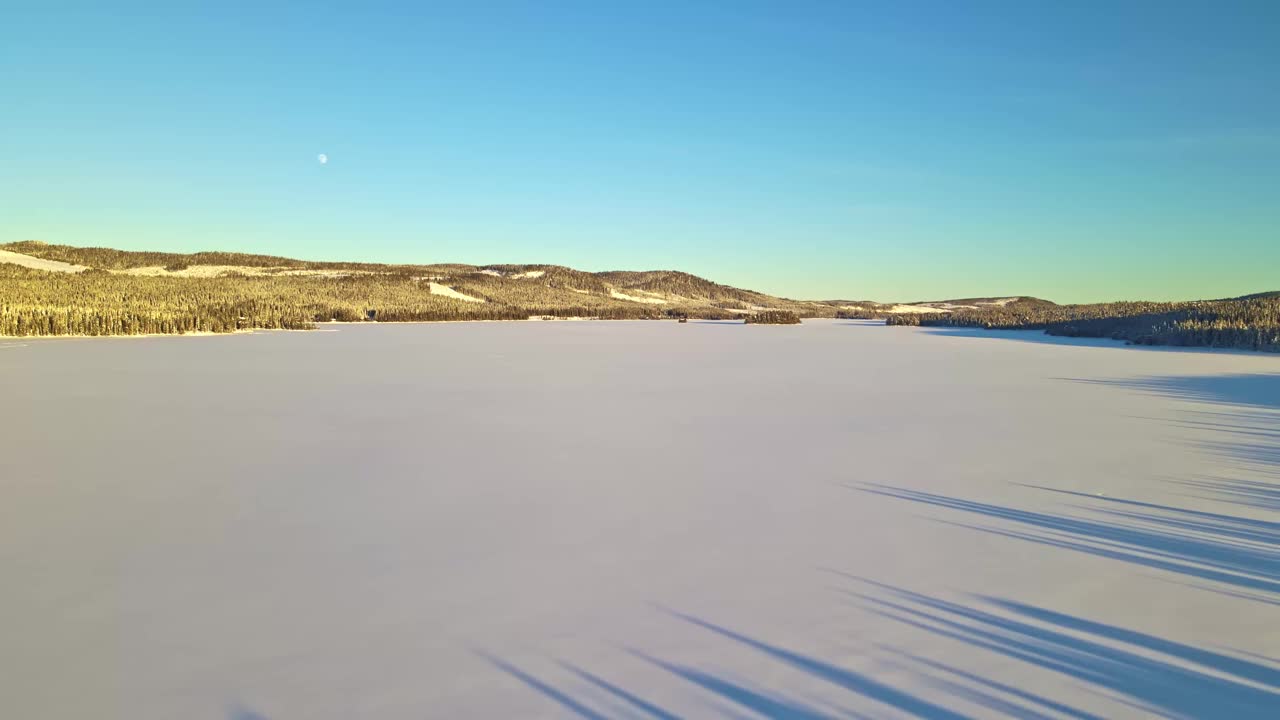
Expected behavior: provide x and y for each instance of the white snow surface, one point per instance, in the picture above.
(619, 295)
(916, 309)
(636, 519)
(528, 274)
(445, 290)
(8, 256)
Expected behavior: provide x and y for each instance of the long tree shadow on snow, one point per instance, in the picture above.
(587, 695)
(584, 694)
(1254, 493)
(1149, 673)
(1237, 556)
(1234, 551)
(1245, 390)
(1241, 427)
(1152, 674)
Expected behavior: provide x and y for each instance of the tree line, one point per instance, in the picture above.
(772, 317)
(1250, 323)
(99, 302)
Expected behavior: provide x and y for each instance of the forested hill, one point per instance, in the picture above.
(1251, 322)
(867, 309)
(62, 290)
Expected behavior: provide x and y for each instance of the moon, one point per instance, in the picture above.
(324, 159)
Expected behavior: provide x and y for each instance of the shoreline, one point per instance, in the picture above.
(7, 341)
(319, 326)
(139, 336)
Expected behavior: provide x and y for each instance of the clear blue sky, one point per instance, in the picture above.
(895, 151)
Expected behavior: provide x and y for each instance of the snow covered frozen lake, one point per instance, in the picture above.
(636, 520)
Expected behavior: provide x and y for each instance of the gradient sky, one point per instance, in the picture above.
(896, 151)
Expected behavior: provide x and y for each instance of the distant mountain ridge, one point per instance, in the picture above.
(872, 309)
(644, 286)
(667, 285)
(59, 289)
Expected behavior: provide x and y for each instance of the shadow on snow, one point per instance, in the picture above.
(1244, 390)
(1149, 673)
(1242, 427)
(1237, 556)
(1239, 552)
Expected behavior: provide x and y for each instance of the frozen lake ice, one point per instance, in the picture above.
(636, 519)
